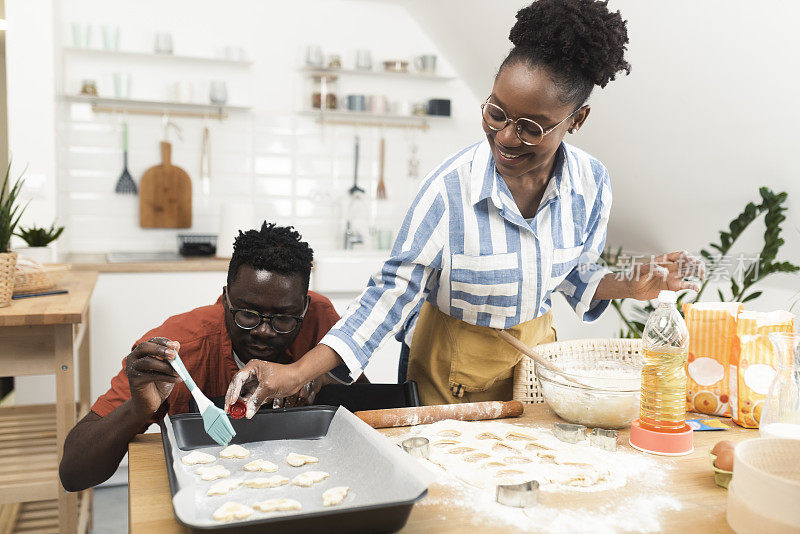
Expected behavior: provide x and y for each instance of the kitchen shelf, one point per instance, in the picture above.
(98, 52)
(41, 517)
(154, 107)
(363, 118)
(29, 453)
(314, 71)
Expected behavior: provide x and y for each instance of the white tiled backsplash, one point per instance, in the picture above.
(292, 169)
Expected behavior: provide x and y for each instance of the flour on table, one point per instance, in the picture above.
(224, 486)
(278, 505)
(260, 465)
(213, 472)
(232, 510)
(197, 457)
(296, 460)
(560, 468)
(486, 453)
(334, 496)
(234, 451)
(267, 482)
(309, 478)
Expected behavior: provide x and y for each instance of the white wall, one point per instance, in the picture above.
(705, 118)
(289, 168)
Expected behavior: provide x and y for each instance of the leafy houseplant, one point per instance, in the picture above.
(741, 287)
(40, 237)
(39, 242)
(10, 213)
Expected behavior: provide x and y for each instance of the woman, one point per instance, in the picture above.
(497, 228)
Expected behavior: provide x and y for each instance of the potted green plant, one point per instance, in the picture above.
(40, 242)
(10, 213)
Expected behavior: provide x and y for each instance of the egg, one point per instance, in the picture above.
(724, 460)
(722, 446)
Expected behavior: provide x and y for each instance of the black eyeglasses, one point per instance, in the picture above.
(529, 131)
(250, 319)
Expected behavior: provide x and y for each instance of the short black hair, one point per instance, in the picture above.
(278, 249)
(580, 42)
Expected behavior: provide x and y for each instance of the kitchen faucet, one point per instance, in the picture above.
(352, 237)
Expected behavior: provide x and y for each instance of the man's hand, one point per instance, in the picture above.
(260, 381)
(666, 272)
(150, 376)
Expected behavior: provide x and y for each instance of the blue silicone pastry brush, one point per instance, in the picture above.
(215, 421)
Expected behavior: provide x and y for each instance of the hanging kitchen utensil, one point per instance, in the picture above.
(381, 191)
(165, 191)
(205, 162)
(125, 184)
(355, 189)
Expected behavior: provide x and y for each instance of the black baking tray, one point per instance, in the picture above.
(309, 422)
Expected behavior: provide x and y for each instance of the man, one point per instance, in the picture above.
(266, 312)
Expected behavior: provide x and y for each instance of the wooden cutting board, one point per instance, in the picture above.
(165, 194)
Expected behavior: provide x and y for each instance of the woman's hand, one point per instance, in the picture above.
(260, 381)
(665, 272)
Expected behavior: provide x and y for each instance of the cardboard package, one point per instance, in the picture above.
(753, 365)
(712, 341)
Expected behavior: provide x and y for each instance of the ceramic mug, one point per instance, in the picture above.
(377, 104)
(314, 57)
(425, 63)
(356, 103)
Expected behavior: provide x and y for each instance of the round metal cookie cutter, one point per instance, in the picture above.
(518, 495)
(418, 447)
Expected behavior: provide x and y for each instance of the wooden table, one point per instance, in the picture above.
(703, 504)
(38, 336)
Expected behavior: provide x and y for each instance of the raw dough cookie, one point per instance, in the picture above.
(488, 435)
(214, 472)
(197, 457)
(445, 443)
(267, 482)
(334, 496)
(519, 436)
(476, 457)
(232, 510)
(278, 505)
(449, 433)
(517, 460)
(309, 478)
(503, 448)
(234, 451)
(260, 465)
(460, 450)
(224, 486)
(296, 460)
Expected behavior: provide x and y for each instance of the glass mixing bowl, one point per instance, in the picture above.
(608, 394)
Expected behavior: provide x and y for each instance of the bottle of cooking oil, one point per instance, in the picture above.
(665, 343)
(661, 427)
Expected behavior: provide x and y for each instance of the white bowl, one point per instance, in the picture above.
(764, 494)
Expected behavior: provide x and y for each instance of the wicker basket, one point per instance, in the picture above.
(526, 384)
(32, 277)
(8, 261)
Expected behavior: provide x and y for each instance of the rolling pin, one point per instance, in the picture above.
(420, 415)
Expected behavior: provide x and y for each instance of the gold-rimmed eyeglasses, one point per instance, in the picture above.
(529, 131)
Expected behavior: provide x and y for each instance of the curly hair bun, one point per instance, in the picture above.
(574, 36)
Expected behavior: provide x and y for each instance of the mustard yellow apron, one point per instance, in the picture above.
(453, 361)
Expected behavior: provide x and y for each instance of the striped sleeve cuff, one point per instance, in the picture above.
(586, 307)
(348, 351)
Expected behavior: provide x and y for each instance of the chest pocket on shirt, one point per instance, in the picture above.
(565, 259)
(488, 284)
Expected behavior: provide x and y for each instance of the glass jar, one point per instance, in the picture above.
(781, 414)
(324, 93)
